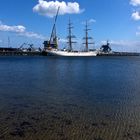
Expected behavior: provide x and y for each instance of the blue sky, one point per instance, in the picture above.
(31, 21)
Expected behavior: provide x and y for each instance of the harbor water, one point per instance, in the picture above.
(50, 98)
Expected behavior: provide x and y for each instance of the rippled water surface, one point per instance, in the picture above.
(48, 98)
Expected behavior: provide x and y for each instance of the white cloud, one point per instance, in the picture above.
(20, 30)
(136, 15)
(124, 45)
(32, 35)
(135, 2)
(49, 8)
(92, 21)
(138, 27)
(62, 40)
(121, 43)
(138, 33)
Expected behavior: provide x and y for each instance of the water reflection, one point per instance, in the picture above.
(69, 98)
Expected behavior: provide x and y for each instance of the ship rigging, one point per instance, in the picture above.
(87, 38)
(70, 37)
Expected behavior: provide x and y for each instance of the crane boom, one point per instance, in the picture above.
(54, 26)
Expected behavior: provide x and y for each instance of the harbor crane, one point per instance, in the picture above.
(52, 42)
(106, 48)
(30, 48)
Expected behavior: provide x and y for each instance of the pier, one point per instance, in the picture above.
(119, 54)
(9, 51)
(17, 53)
(31, 51)
(42, 53)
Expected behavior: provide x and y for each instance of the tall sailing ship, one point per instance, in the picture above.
(51, 46)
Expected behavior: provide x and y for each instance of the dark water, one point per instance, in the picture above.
(48, 98)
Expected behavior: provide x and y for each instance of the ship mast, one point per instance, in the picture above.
(87, 38)
(8, 42)
(70, 36)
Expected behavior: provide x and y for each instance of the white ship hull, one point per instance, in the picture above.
(66, 53)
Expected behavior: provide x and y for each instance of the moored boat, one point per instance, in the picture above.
(54, 52)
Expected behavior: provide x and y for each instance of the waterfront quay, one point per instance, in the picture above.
(41, 52)
(17, 51)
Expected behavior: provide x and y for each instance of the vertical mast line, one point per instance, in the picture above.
(54, 25)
